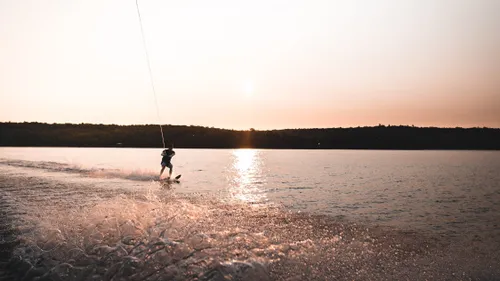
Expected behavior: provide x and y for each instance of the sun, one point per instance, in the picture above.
(248, 88)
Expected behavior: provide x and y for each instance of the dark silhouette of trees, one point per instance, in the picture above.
(378, 137)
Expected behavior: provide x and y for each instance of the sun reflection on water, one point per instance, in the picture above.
(247, 182)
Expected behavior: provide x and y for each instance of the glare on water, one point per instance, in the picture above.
(247, 180)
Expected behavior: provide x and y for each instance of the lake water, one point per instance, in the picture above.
(261, 214)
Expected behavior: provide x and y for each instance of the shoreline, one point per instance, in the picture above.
(257, 148)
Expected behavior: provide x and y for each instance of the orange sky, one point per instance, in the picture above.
(252, 64)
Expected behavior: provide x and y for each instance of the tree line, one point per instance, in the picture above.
(374, 137)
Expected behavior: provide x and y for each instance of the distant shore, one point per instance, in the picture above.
(375, 137)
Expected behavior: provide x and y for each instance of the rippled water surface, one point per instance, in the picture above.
(100, 214)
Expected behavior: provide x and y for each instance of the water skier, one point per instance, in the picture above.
(165, 160)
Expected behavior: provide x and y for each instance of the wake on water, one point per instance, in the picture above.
(134, 175)
(58, 228)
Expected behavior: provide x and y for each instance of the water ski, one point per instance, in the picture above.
(170, 180)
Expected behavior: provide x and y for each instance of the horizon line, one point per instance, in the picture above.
(253, 129)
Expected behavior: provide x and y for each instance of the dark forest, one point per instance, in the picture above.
(375, 137)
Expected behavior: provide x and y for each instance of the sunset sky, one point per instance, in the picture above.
(252, 64)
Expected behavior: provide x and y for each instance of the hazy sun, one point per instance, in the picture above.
(248, 88)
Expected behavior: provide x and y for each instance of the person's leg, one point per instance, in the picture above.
(170, 166)
(162, 169)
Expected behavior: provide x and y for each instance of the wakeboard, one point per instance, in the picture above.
(171, 180)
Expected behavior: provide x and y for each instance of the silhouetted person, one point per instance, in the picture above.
(165, 160)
